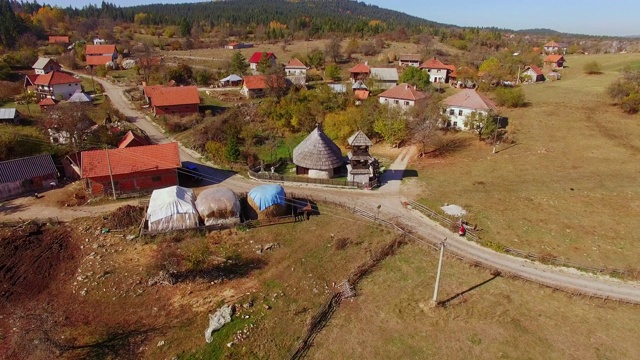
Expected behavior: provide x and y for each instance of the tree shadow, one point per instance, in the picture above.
(7, 208)
(232, 268)
(119, 343)
(449, 146)
(449, 300)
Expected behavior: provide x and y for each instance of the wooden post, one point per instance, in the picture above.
(113, 186)
(434, 301)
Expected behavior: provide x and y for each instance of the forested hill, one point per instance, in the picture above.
(316, 16)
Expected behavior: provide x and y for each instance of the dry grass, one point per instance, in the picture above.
(568, 185)
(502, 319)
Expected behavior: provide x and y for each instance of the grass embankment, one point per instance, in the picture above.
(567, 187)
(500, 319)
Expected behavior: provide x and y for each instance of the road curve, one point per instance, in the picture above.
(389, 206)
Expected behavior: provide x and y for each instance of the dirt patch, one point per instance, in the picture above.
(31, 259)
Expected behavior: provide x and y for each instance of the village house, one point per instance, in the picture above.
(131, 139)
(438, 71)
(9, 115)
(133, 169)
(72, 165)
(172, 100)
(403, 96)
(46, 104)
(254, 60)
(100, 54)
(555, 61)
(460, 105)
(553, 47)
(384, 78)
(57, 85)
(58, 39)
(533, 73)
(99, 41)
(409, 60)
(25, 175)
(255, 86)
(45, 65)
(317, 156)
(237, 45)
(360, 91)
(359, 72)
(296, 72)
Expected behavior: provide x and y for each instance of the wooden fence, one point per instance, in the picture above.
(266, 176)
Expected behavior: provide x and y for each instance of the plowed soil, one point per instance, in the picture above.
(31, 259)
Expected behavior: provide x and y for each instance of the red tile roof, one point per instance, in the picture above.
(295, 63)
(100, 49)
(257, 82)
(58, 39)
(361, 94)
(233, 44)
(55, 78)
(553, 58)
(98, 60)
(129, 137)
(130, 160)
(404, 91)
(470, 99)
(360, 68)
(257, 56)
(32, 78)
(551, 44)
(172, 95)
(536, 69)
(47, 102)
(433, 64)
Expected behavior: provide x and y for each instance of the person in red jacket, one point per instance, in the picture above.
(462, 230)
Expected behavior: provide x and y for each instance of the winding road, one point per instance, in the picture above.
(387, 202)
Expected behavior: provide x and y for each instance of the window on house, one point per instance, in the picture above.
(396, 102)
(156, 178)
(455, 124)
(406, 103)
(459, 112)
(452, 112)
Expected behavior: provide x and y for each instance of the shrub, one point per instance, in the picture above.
(592, 68)
(510, 97)
(631, 103)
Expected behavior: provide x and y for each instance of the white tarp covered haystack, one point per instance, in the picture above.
(219, 206)
(172, 208)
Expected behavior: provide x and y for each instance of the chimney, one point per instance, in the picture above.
(366, 63)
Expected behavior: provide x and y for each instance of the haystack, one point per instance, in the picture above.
(172, 208)
(219, 206)
(317, 156)
(267, 201)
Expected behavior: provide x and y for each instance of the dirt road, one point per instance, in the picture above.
(388, 204)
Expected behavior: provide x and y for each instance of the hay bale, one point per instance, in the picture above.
(219, 206)
(272, 211)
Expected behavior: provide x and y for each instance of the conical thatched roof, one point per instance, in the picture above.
(359, 139)
(317, 152)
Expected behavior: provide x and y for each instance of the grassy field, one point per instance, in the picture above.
(568, 186)
(500, 319)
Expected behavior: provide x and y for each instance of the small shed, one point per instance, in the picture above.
(172, 208)
(231, 80)
(317, 156)
(219, 206)
(9, 115)
(267, 201)
(80, 97)
(33, 173)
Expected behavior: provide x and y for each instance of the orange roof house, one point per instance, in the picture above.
(463, 103)
(100, 54)
(254, 85)
(134, 169)
(58, 39)
(534, 73)
(57, 85)
(131, 139)
(169, 100)
(438, 71)
(403, 95)
(359, 72)
(555, 61)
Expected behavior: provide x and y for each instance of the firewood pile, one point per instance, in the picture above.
(125, 216)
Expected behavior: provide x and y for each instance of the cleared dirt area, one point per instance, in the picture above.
(484, 317)
(565, 187)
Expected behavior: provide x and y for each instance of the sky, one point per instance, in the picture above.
(592, 17)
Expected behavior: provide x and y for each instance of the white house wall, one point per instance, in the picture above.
(404, 104)
(65, 91)
(458, 116)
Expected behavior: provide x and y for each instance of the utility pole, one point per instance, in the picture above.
(495, 134)
(113, 186)
(434, 301)
(518, 81)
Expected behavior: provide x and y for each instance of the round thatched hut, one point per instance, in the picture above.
(219, 206)
(172, 208)
(266, 201)
(317, 156)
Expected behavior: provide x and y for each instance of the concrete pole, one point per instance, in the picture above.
(434, 301)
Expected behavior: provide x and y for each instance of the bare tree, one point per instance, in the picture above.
(426, 120)
(333, 50)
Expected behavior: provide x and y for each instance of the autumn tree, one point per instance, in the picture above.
(333, 50)
(391, 124)
(352, 47)
(483, 124)
(316, 58)
(425, 121)
(332, 72)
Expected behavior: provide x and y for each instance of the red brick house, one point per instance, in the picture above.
(172, 100)
(134, 169)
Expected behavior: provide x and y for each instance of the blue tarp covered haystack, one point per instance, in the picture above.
(267, 200)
